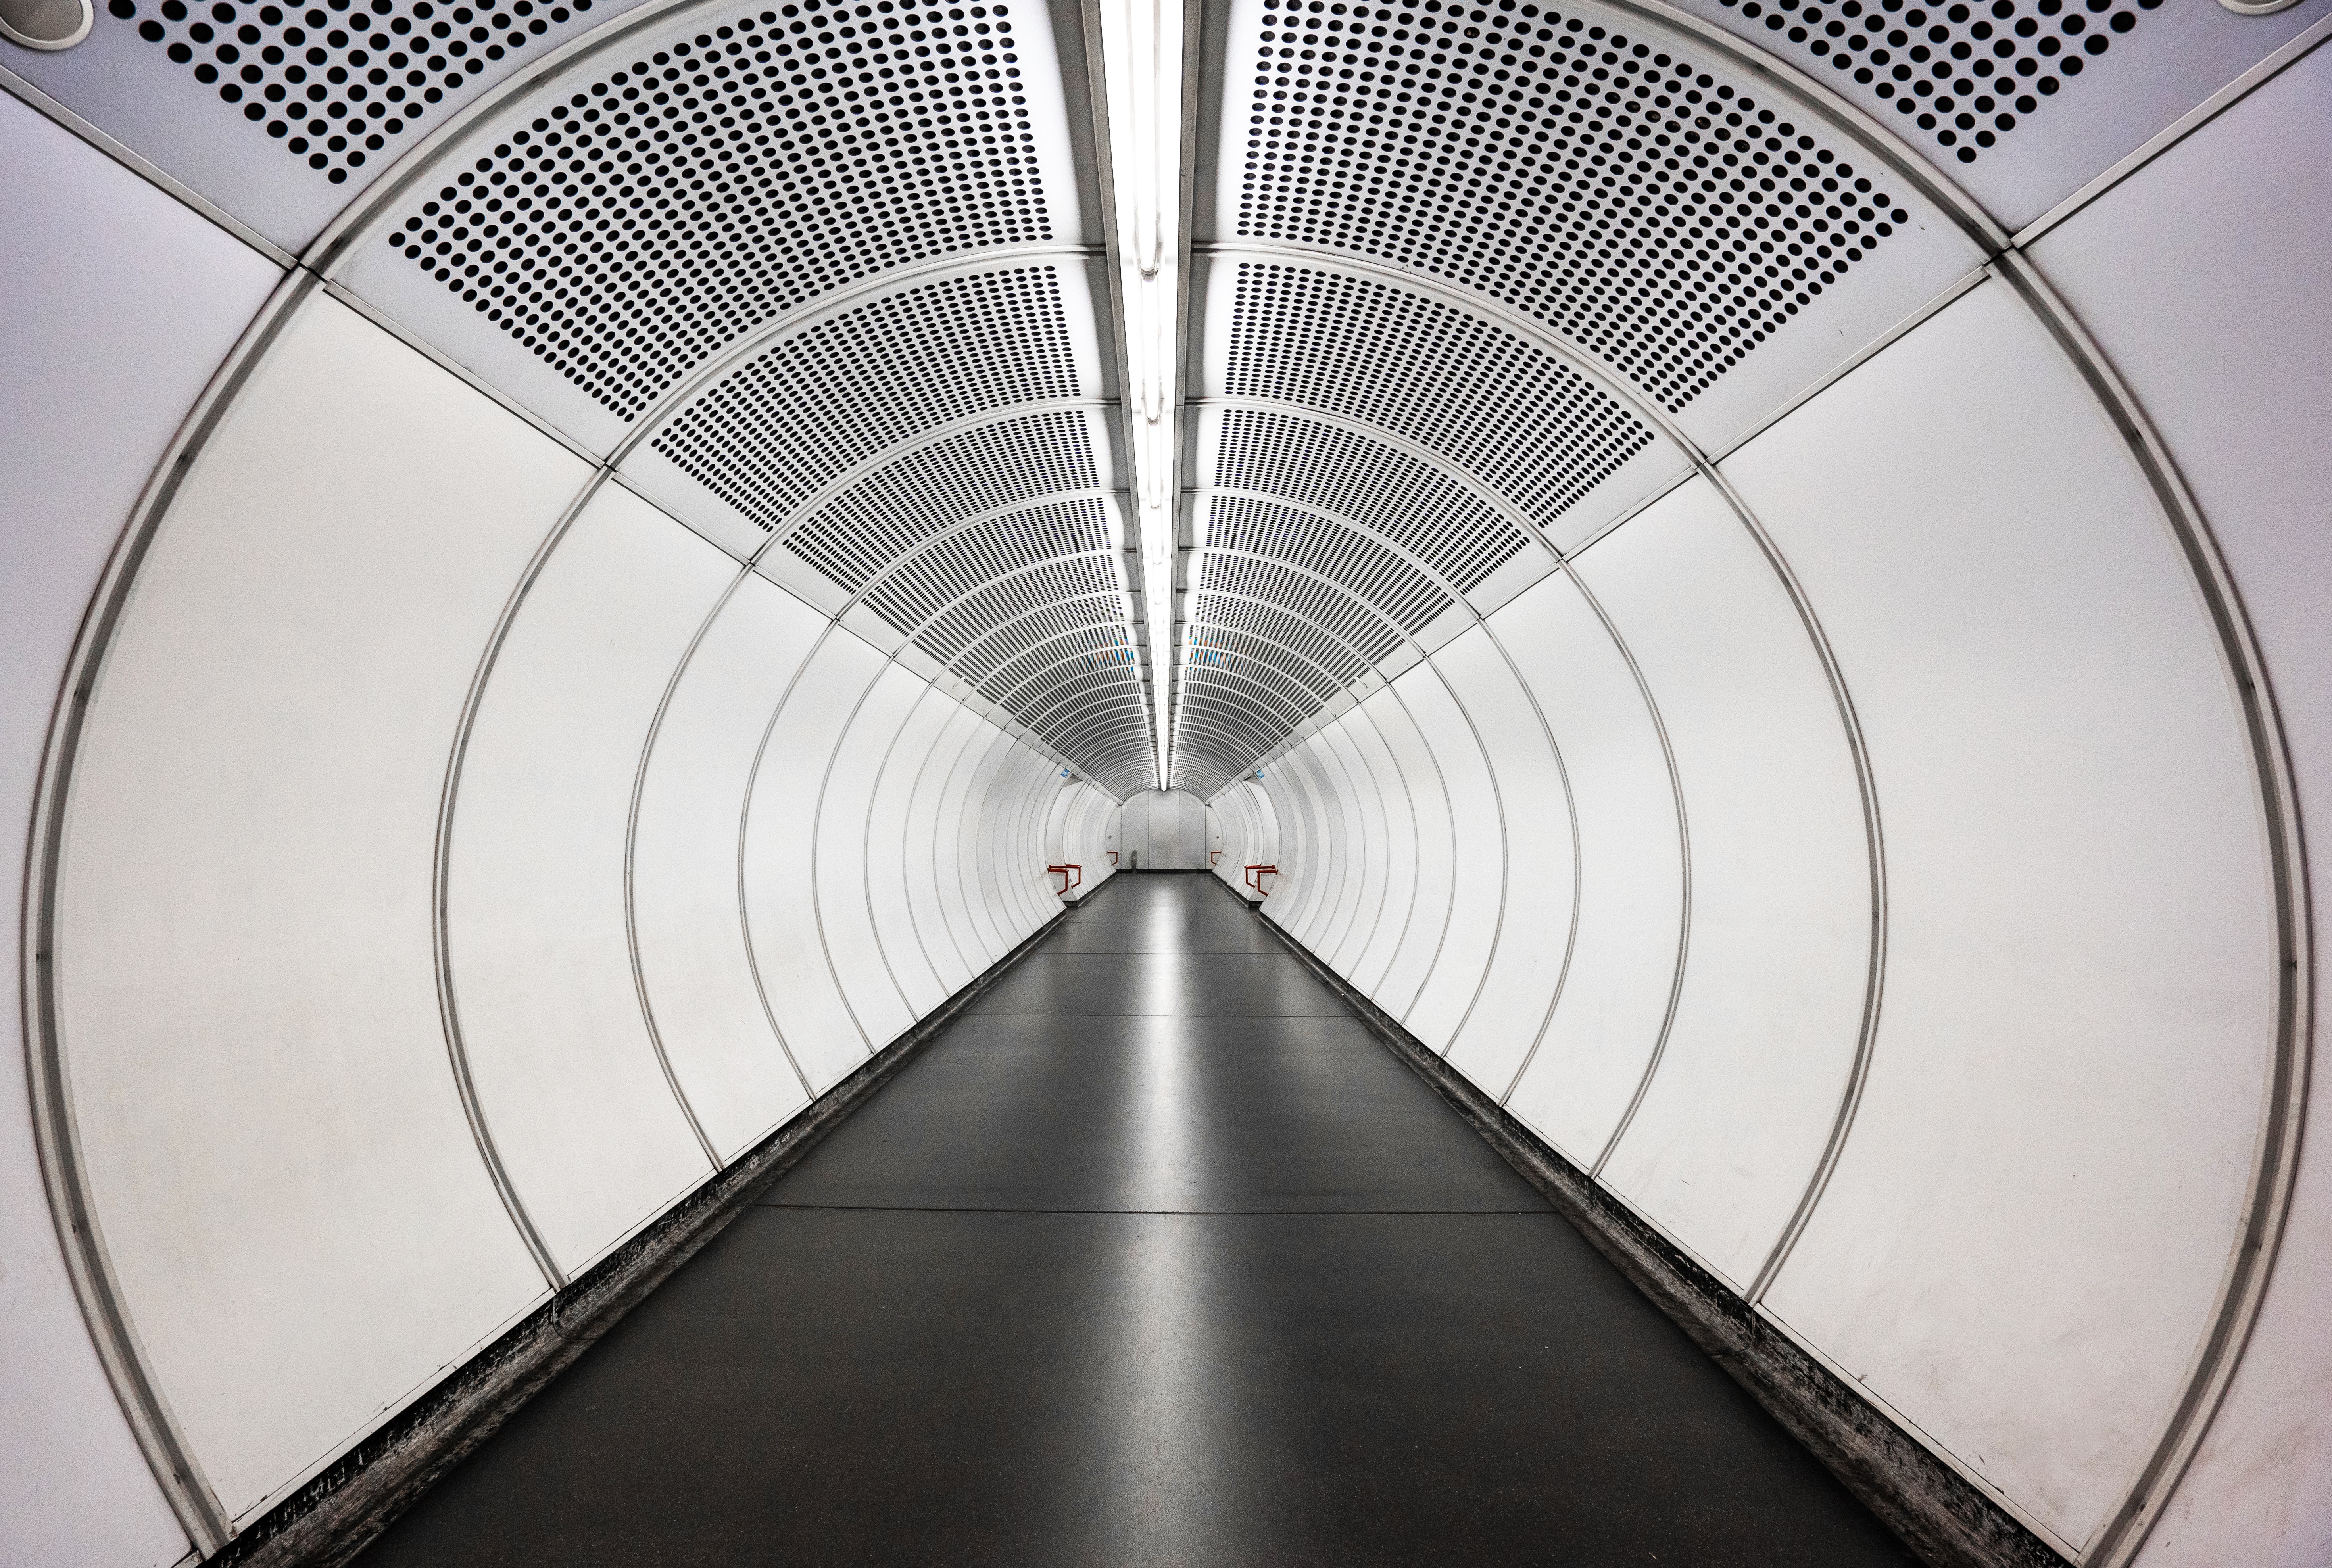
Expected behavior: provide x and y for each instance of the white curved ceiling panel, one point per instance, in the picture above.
(894, 855)
(844, 826)
(1479, 868)
(2246, 425)
(934, 892)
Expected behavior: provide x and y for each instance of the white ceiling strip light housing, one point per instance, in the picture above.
(1141, 54)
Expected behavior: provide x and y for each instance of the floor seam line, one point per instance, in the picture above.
(1187, 1213)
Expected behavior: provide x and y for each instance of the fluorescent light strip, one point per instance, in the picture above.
(1142, 66)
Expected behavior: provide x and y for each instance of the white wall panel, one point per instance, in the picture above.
(890, 883)
(2025, 1237)
(1023, 867)
(844, 911)
(591, 1134)
(1133, 828)
(1541, 868)
(687, 917)
(933, 895)
(122, 304)
(1003, 858)
(1396, 894)
(1307, 901)
(1061, 823)
(1746, 1091)
(956, 880)
(781, 816)
(1434, 856)
(1248, 838)
(1045, 786)
(247, 991)
(1101, 835)
(1346, 798)
(1082, 815)
(1281, 891)
(1329, 859)
(1477, 858)
(1227, 815)
(1190, 829)
(968, 825)
(1592, 1057)
(2204, 278)
(1364, 813)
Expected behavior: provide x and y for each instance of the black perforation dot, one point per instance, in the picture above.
(1649, 212)
(648, 219)
(1966, 74)
(337, 82)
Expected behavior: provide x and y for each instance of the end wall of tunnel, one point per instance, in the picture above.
(1835, 763)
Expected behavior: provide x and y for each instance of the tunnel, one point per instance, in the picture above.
(1166, 782)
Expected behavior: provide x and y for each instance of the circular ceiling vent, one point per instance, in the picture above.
(46, 24)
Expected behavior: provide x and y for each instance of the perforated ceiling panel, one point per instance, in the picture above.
(1964, 75)
(918, 496)
(954, 543)
(1635, 199)
(1539, 431)
(1417, 507)
(767, 435)
(1027, 607)
(2023, 102)
(332, 86)
(694, 190)
(281, 112)
(1292, 608)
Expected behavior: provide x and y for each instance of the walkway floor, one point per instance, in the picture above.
(1156, 1257)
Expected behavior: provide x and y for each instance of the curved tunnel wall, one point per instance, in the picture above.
(1856, 861)
(1843, 794)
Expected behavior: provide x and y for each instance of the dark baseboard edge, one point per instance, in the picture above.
(1944, 1519)
(340, 1512)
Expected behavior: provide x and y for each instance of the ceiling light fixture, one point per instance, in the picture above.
(1141, 56)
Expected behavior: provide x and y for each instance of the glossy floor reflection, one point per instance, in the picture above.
(1155, 1257)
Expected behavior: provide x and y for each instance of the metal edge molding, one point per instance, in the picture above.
(2275, 1170)
(441, 932)
(344, 1509)
(1945, 1519)
(72, 1205)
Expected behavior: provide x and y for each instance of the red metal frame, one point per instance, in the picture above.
(1214, 857)
(1255, 876)
(1063, 871)
(1112, 856)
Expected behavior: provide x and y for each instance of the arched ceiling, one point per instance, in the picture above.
(855, 289)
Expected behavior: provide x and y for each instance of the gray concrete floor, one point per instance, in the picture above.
(1154, 1257)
